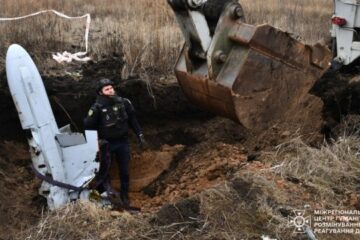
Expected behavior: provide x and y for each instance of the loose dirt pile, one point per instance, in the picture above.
(207, 160)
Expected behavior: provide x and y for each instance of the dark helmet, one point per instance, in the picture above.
(104, 82)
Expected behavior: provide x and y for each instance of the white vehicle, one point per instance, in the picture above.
(346, 31)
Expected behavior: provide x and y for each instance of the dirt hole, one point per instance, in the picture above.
(190, 150)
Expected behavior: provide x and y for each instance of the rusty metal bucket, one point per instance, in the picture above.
(252, 74)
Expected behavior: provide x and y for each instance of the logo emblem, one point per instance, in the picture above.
(299, 221)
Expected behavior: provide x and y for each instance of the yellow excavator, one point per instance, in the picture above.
(250, 74)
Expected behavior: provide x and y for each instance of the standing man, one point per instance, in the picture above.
(112, 115)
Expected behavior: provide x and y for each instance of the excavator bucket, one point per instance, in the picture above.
(250, 74)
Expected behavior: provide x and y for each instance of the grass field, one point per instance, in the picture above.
(146, 31)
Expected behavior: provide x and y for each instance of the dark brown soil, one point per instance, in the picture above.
(20, 207)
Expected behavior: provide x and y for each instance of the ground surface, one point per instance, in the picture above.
(190, 150)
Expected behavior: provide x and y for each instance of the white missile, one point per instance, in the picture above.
(66, 160)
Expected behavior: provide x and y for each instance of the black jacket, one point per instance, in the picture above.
(112, 117)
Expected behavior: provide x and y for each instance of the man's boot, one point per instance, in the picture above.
(124, 195)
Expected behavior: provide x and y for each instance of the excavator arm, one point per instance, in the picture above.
(250, 74)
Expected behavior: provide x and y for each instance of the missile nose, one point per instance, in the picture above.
(15, 51)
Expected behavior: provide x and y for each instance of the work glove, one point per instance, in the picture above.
(142, 142)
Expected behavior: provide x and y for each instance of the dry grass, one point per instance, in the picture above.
(329, 175)
(249, 206)
(256, 202)
(246, 208)
(331, 171)
(309, 19)
(144, 30)
(84, 220)
(225, 214)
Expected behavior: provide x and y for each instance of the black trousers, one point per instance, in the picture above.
(121, 150)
